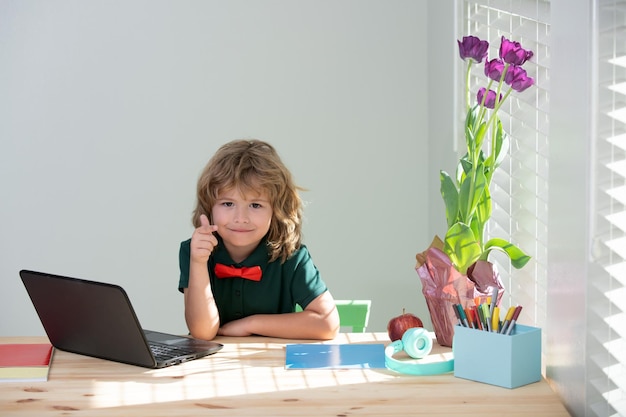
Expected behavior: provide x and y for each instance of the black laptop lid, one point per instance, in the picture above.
(89, 318)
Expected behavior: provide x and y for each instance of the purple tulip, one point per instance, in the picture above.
(490, 101)
(472, 47)
(513, 53)
(494, 68)
(518, 79)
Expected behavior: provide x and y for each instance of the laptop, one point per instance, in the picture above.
(97, 319)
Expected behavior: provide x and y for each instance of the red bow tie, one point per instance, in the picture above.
(253, 273)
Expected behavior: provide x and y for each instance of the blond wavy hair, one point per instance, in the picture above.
(254, 166)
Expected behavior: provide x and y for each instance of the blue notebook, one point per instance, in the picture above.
(326, 356)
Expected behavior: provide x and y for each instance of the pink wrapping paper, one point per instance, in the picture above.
(443, 286)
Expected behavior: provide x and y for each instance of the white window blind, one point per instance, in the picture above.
(519, 187)
(606, 332)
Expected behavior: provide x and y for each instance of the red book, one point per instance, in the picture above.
(25, 362)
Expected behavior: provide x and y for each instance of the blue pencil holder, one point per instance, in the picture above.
(509, 361)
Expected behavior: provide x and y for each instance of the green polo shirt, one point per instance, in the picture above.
(282, 285)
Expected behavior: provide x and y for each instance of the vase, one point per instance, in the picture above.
(443, 286)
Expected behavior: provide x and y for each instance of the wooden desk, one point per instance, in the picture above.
(248, 377)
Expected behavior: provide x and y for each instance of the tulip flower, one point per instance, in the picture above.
(474, 48)
(490, 100)
(494, 69)
(513, 53)
(518, 79)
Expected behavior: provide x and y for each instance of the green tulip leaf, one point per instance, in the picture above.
(475, 226)
(480, 136)
(470, 127)
(450, 197)
(518, 258)
(465, 167)
(502, 145)
(501, 150)
(470, 194)
(461, 246)
(483, 213)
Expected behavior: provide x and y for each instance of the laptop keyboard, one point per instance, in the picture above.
(162, 351)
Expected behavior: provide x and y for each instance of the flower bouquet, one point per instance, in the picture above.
(456, 269)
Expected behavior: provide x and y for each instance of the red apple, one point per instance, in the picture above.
(400, 324)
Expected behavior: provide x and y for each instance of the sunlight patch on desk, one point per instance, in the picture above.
(249, 368)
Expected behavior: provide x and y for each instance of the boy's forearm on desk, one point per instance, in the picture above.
(301, 325)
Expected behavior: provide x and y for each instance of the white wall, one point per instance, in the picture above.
(110, 109)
